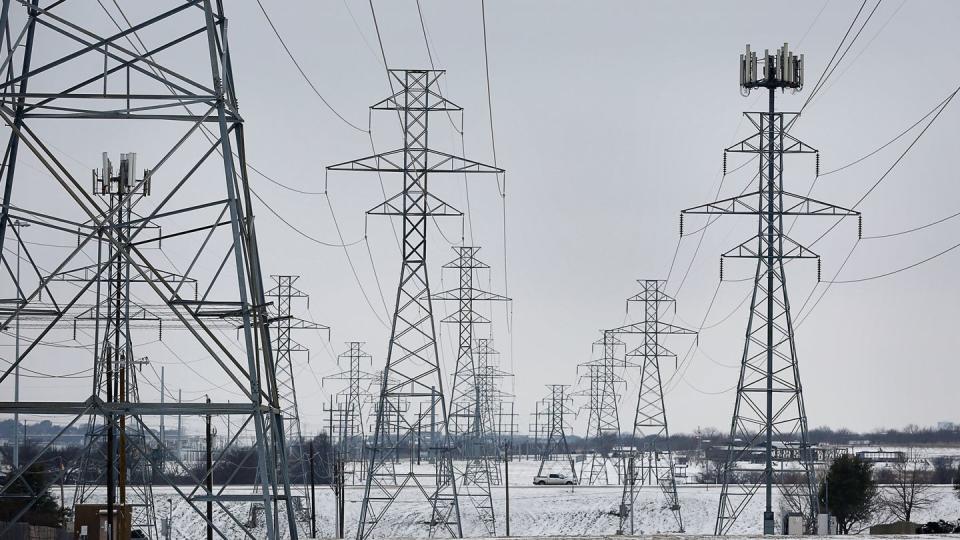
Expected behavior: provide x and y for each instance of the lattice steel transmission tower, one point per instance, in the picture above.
(556, 409)
(412, 368)
(466, 422)
(116, 367)
(283, 323)
(650, 461)
(349, 429)
(160, 79)
(603, 425)
(769, 409)
(471, 422)
(491, 396)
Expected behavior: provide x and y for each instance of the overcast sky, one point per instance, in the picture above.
(611, 117)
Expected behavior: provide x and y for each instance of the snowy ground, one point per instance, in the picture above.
(545, 511)
(535, 511)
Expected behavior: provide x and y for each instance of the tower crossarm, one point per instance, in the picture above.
(754, 144)
(296, 323)
(470, 293)
(430, 101)
(754, 248)
(434, 161)
(652, 327)
(750, 204)
(465, 316)
(432, 205)
(644, 351)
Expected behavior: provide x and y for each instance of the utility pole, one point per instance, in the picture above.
(179, 425)
(17, 226)
(769, 408)
(209, 476)
(163, 400)
(313, 494)
(506, 483)
(343, 501)
(412, 364)
(651, 459)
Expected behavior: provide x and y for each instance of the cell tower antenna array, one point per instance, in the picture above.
(412, 372)
(769, 408)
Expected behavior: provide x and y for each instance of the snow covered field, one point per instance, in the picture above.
(535, 511)
(541, 511)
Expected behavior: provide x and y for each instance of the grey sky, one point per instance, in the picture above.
(610, 118)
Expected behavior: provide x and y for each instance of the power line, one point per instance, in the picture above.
(823, 74)
(501, 188)
(281, 184)
(897, 271)
(891, 141)
(867, 46)
(912, 230)
(873, 187)
(895, 163)
(299, 231)
(302, 73)
(353, 268)
(210, 138)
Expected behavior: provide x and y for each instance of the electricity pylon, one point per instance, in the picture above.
(471, 422)
(135, 83)
(349, 425)
(412, 369)
(769, 409)
(492, 400)
(603, 425)
(556, 409)
(651, 434)
(283, 323)
(491, 396)
(116, 367)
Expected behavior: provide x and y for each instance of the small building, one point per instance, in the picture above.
(882, 456)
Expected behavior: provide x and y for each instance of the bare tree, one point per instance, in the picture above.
(909, 489)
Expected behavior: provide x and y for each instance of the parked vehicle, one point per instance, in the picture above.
(553, 479)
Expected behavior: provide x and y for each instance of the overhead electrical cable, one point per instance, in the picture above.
(897, 271)
(297, 230)
(826, 69)
(865, 195)
(206, 133)
(302, 73)
(912, 230)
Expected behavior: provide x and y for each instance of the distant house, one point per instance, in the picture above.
(882, 456)
(782, 452)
